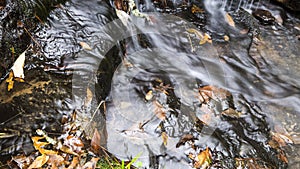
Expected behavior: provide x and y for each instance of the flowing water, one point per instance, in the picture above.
(149, 73)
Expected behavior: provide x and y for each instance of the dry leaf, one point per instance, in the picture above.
(39, 161)
(149, 95)
(283, 157)
(96, 140)
(229, 20)
(158, 110)
(164, 137)
(74, 163)
(184, 139)
(67, 150)
(10, 81)
(22, 161)
(55, 160)
(91, 164)
(85, 46)
(204, 159)
(89, 97)
(17, 68)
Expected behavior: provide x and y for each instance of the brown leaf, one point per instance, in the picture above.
(231, 113)
(158, 110)
(281, 139)
(39, 161)
(184, 139)
(67, 150)
(55, 161)
(85, 46)
(283, 157)
(22, 161)
(229, 20)
(91, 164)
(96, 140)
(164, 137)
(74, 163)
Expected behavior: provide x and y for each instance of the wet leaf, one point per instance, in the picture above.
(231, 113)
(206, 38)
(96, 140)
(281, 139)
(17, 68)
(229, 20)
(39, 161)
(226, 38)
(123, 16)
(149, 95)
(85, 46)
(10, 81)
(204, 159)
(159, 110)
(91, 164)
(164, 137)
(196, 9)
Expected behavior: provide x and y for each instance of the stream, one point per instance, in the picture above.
(224, 74)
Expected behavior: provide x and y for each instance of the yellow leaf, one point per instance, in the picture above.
(226, 38)
(196, 9)
(10, 81)
(85, 46)
(39, 161)
(204, 158)
(206, 38)
(149, 95)
(17, 68)
(88, 98)
(164, 137)
(229, 20)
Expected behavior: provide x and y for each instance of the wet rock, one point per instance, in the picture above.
(265, 17)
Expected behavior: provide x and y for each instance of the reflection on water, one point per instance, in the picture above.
(152, 75)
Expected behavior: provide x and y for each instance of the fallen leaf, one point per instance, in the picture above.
(67, 150)
(85, 46)
(196, 9)
(55, 161)
(95, 142)
(184, 139)
(204, 159)
(231, 113)
(74, 163)
(206, 38)
(158, 110)
(17, 68)
(22, 161)
(229, 20)
(283, 157)
(149, 95)
(91, 164)
(281, 139)
(226, 38)
(10, 81)
(88, 98)
(164, 137)
(39, 161)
